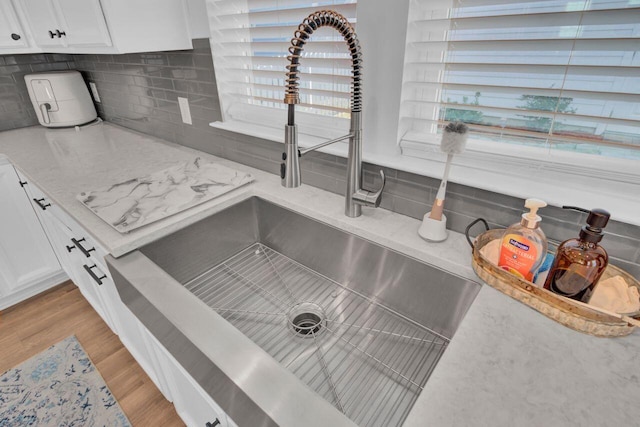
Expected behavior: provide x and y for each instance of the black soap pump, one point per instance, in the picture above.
(579, 263)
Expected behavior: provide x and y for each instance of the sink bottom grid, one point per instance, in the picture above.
(367, 360)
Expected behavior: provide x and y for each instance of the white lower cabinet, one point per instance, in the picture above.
(90, 277)
(83, 260)
(192, 403)
(28, 264)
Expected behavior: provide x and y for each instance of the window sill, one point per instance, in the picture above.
(500, 173)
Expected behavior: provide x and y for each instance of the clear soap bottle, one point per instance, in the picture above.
(580, 262)
(524, 245)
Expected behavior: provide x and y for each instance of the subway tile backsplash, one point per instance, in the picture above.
(140, 91)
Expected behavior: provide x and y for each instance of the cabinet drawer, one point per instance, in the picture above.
(78, 240)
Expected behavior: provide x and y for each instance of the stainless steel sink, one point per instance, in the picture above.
(359, 324)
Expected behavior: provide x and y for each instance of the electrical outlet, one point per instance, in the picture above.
(184, 110)
(94, 91)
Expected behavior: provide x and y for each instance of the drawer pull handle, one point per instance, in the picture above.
(82, 248)
(214, 424)
(57, 33)
(93, 275)
(41, 203)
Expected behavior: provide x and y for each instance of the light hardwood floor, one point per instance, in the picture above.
(33, 325)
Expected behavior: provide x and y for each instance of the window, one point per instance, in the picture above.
(550, 88)
(558, 74)
(250, 41)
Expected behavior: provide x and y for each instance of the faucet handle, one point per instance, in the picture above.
(378, 194)
(370, 198)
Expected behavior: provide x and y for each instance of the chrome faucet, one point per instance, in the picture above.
(356, 197)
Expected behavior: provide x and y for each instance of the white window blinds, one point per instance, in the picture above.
(557, 74)
(250, 41)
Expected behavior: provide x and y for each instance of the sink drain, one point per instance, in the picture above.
(307, 319)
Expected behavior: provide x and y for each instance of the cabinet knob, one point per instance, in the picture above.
(214, 424)
(52, 34)
(15, 36)
(22, 183)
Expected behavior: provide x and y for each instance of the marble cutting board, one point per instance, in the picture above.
(136, 202)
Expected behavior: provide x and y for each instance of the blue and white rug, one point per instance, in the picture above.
(59, 387)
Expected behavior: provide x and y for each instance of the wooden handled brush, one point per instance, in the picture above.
(453, 142)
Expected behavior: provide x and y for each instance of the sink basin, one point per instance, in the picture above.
(354, 328)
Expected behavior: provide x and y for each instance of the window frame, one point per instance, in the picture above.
(560, 178)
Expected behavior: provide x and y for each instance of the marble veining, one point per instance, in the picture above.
(136, 202)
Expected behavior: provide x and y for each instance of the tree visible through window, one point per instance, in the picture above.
(545, 103)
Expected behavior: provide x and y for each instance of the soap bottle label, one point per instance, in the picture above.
(518, 255)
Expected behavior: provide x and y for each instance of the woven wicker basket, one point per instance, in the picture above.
(560, 309)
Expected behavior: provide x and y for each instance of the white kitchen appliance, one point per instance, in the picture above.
(60, 98)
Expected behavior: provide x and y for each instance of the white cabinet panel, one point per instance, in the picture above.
(134, 337)
(82, 22)
(12, 35)
(26, 256)
(193, 404)
(67, 23)
(76, 266)
(94, 26)
(43, 22)
(141, 25)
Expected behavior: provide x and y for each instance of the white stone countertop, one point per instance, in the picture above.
(507, 365)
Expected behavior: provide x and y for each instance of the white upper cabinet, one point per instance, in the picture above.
(42, 22)
(12, 35)
(148, 25)
(66, 23)
(96, 26)
(83, 22)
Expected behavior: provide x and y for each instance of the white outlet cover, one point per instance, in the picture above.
(184, 110)
(94, 91)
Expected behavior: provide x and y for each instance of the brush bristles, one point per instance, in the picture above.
(456, 127)
(454, 138)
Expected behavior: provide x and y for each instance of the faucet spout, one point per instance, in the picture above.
(356, 196)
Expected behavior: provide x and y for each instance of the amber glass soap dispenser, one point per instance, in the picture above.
(580, 262)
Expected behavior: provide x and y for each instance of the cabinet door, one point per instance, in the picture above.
(193, 404)
(43, 23)
(82, 22)
(85, 273)
(12, 35)
(134, 338)
(26, 255)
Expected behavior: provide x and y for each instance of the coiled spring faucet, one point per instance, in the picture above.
(356, 197)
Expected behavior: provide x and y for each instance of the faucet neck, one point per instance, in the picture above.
(322, 18)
